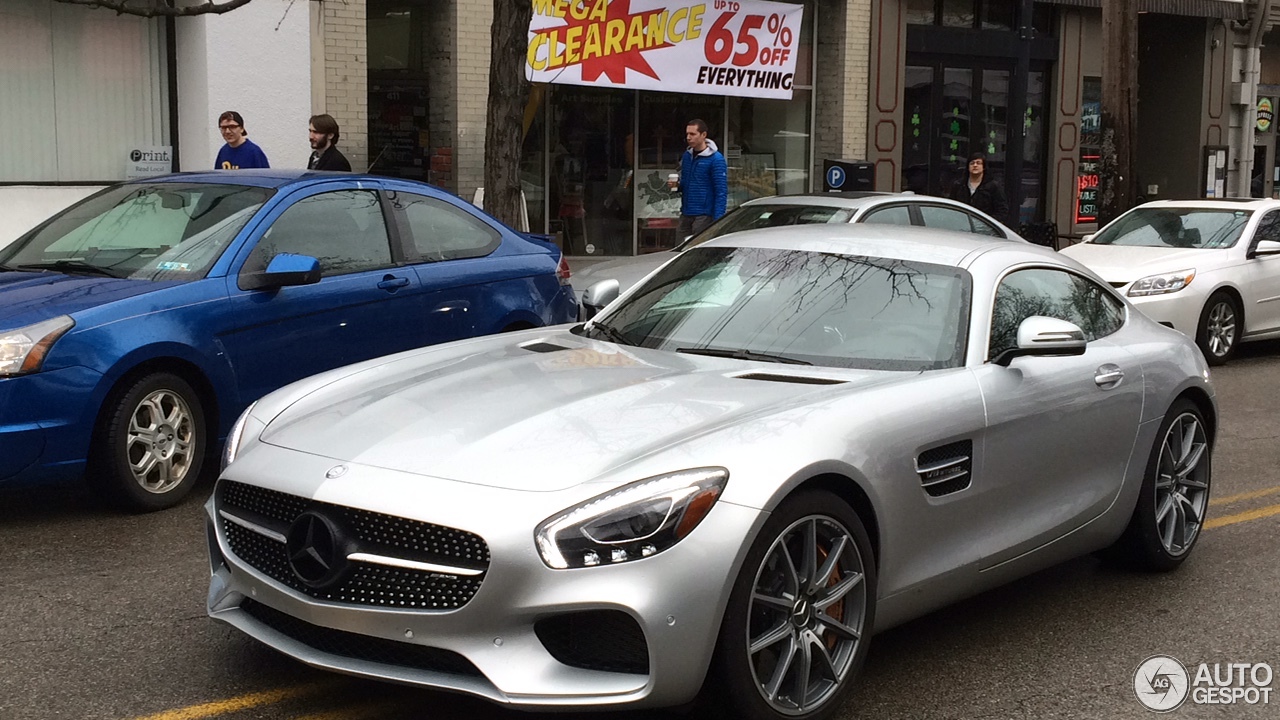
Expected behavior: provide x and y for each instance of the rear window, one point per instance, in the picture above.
(753, 217)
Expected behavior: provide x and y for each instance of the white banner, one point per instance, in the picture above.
(719, 47)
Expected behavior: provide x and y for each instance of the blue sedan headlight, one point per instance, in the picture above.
(23, 351)
(632, 522)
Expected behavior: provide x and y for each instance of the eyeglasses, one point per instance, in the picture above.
(225, 128)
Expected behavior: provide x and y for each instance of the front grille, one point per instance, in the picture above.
(608, 640)
(374, 533)
(946, 469)
(361, 647)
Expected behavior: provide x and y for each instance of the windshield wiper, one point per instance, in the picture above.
(742, 355)
(610, 333)
(71, 266)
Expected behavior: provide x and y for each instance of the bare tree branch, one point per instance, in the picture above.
(160, 8)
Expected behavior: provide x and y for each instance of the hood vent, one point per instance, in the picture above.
(543, 347)
(946, 469)
(798, 379)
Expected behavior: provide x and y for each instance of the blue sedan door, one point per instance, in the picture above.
(365, 305)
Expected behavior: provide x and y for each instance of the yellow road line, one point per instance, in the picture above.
(1244, 496)
(230, 705)
(1256, 514)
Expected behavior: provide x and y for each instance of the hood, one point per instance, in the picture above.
(494, 413)
(1124, 264)
(627, 271)
(31, 297)
(707, 151)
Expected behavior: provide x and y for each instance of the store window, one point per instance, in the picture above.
(82, 89)
(1090, 151)
(399, 139)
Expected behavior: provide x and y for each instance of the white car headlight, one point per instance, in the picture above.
(236, 437)
(635, 521)
(1161, 284)
(23, 351)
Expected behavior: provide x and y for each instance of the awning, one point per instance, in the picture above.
(1228, 9)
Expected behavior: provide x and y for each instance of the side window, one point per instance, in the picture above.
(1268, 228)
(344, 230)
(444, 232)
(982, 227)
(945, 218)
(895, 215)
(1051, 293)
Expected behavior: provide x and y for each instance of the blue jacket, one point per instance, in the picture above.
(704, 182)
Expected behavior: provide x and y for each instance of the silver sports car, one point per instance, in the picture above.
(781, 443)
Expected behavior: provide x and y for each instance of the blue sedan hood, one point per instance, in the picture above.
(30, 297)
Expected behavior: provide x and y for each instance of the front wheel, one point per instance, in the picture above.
(152, 443)
(1220, 328)
(796, 630)
(1174, 496)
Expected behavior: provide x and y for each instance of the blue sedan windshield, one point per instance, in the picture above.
(791, 306)
(164, 231)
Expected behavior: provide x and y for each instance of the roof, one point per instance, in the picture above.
(1214, 204)
(898, 242)
(267, 177)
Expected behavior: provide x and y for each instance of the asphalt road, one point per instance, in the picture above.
(102, 616)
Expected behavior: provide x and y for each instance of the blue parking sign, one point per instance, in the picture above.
(835, 177)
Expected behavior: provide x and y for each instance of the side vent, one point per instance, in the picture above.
(798, 379)
(946, 469)
(543, 347)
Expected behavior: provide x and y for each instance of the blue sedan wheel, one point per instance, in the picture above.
(153, 443)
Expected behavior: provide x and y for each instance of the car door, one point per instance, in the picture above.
(1259, 280)
(1060, 430)
(461, 282)
(366, 304)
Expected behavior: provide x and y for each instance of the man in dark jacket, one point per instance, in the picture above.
(324, 140)
(982, 191)
(703, 183)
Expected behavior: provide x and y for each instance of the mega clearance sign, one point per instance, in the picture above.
(718, 47)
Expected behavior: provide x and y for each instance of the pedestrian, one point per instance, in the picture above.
(703, 182)
(981, 190)
(239, 152)
(324, 145)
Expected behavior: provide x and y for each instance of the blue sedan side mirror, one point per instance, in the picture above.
(283, 270)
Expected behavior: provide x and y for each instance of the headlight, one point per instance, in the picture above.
(632, 522)
(237, 434)
(22, 351)
(1161, 284)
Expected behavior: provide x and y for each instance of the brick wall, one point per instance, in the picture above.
(471, 47)
(439, 50)
(346, 76)
(842, 82)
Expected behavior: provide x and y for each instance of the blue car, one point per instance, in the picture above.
(136, 325)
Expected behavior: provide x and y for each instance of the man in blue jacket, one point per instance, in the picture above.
(703, 183)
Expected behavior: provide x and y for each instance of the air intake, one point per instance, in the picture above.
(543, 347)
(946, 469)
(798, 379)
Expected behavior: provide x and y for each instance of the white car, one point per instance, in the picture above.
(875, 208)
(1208, 268)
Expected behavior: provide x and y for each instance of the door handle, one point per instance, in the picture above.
(1108, 376)
(393, 283)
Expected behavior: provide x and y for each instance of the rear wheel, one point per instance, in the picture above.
(152, 444)
(1220, 328)
(796, 631)
(1174, 496)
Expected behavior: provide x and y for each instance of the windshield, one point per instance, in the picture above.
(1175, 227)
(750, 217)
(165, 231)
(798, 307)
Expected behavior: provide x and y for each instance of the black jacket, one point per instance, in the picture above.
(332, 159)
(989, 197)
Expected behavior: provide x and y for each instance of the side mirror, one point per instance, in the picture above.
(1266, 247)
(598, 295)
(1045, 336)
(284, 269)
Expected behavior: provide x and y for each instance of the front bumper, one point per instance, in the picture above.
(1180, 310)
(490, 646)
(46, 422)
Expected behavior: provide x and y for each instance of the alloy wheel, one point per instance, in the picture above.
(806, 615)
(1182, 484)
(159, 443)
(1220, 330)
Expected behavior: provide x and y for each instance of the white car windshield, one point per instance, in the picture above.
(1176, 227)
(798, 307)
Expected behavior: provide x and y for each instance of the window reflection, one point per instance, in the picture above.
(1055, 294)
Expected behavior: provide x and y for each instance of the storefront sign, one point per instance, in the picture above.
(1266, 113)
(1087, 189)
(145, 162)
(742, 48)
